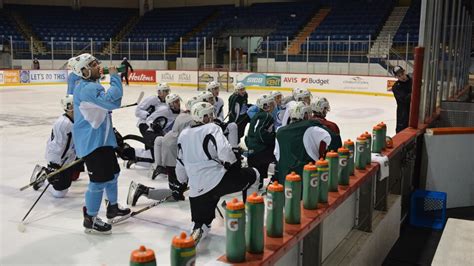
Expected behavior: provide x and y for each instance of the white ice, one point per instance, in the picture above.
(54, 232)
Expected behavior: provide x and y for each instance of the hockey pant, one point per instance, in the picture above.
(234, 180)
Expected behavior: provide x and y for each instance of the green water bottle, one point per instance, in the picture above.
(323, 173)
(384, 133)
(292, 198)
(183, 250)
(343, 166)
(349, 144)
(368, 148)
(120, 69)
(142, 257)
(235, 231)
(333, 159)
(255, 210)
(378, 140)
(360, 152)
(275, 203)
(310, 186)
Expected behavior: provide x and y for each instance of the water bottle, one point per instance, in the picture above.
(384, 134)
(310, 186)
(254, 225)
(333, 159)
(378, 139)
(235, 231)
(292, 198)
(183, 250)
(275, 204)
(142, 257)
(343, 166)
(349, 144)
(323, 173)
(360, 152)
(368, 149)
(120, 69)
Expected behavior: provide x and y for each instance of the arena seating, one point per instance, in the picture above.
(410, 24)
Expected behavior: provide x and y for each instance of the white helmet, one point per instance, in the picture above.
(212, 85)
(67, 102)
(163, 87)
(71, 62)
(82, 62)
(300, 94)
(171, 98)
(191, 102)
(276, 94)
(200, 109)
(205, 96)
(320, 105)
(298, 110)
(293, 92)
(264, 100)
(239, 86)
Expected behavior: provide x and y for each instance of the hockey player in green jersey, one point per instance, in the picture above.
(300, 142)
(260, 139)
(238, 105)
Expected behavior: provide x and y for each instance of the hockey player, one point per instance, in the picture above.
(260, 139)
(238, 106)
(230, 129)
(125, 73)
(159, 123)
(300, 95)
(300, 142)
(94, 140)
(148, 106)
(402, 92)
(320, 107)
(214, 88)
(279, 108)
(72, 79)
(60, 151)
(206, 162)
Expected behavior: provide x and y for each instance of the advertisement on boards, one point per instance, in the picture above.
(142, 76)
(43, 76)
(11, 76)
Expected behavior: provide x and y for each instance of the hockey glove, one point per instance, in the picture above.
(51, 168)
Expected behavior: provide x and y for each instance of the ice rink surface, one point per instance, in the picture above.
(54, 232)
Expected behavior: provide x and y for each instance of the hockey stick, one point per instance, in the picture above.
(60, 170)
(132, 214)
(136, 103)
(21, 225)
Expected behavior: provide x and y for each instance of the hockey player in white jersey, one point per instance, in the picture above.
(207, 163)
(299, 95)
(214, 87)
(158, 124)
(60, 151)
(165, 159)
(150, 105)
(231, 130)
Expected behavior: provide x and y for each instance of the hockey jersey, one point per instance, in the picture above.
(147, 107)
(237, 107)
(202, 151)
(261, 132)
(219, 106)
(92, 117)
(60, 147)
(72, 81)
(163, 115)
(170, 140)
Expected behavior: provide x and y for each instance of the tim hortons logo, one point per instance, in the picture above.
(140, 77)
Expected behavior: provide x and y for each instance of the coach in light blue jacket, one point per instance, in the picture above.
(95, 141)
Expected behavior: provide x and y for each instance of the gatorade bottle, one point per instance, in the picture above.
(183, 250)
(368, 149)
(254, 225)
(378, 140)
(310, 186)
(293, 198)
(384, 133)
(360, 152)
(323, 173)
(142, 257)
(235, 231)
(343, 166)
(120, 69)
(349, 144)
(333, 159)
(275, 203)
